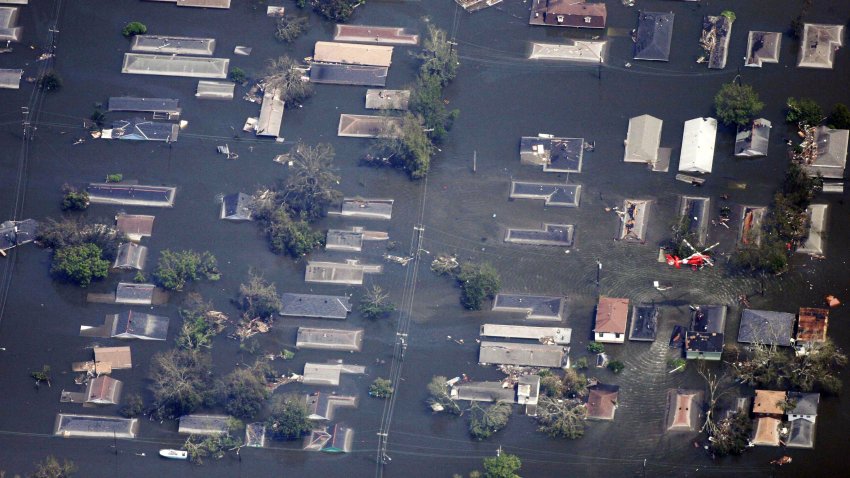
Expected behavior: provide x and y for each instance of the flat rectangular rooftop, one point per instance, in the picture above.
(549, 235)
(352, 53)
(349, 273)
(564, 195)
(536, 307)
(387, 99)
(370, 34)
(329, 339)
(558, 335)
(340, 74)
(532, 355)
(329, 374)
(93, 426)
(215, 90)
(366, 208)
(173, 44)
(131, 195)
(580, 51)
(173, 65)
(152, 105)
(11, 78)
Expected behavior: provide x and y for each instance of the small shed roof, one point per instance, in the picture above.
(654, 36)
(753, 140)
(698, 140)
(204, 424)
(236, 207)
(132, 293)
(10, 78)
(134, 226)
(218, 90)
(683, 409)
(329, 339)
(819, 44)
(814, 243)
(118, 357)
(341, 74)
(312, 305)
(352, 53)
(532, 355)
(766, 327)
(769, 402)
(643, 139)
(386, 99)
(612, 315)
(766, 431)
(602, 401)
(812, 325)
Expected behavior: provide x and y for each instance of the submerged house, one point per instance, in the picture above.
(317, 439)
(548, 235)
(88, 426)
(698, 139)
(644, 323)
(545, 335)
(643, 142)
(323, 405)
(315, 306)
(329, 339)
(716, 33)
(684, 408)
(526, 392)
(16, 233)
(136, 294)
(814, 242)
(175, 65)
(341, 441)
(237, 207)
(167, 108)
(602, 401)
(762, 47)
(633, 222)
(140, 129)
(556, 155)
(766, 431)
(830, 153)
(118, 358)
(129, 325)
(812, 325)
(350, 272)
(535, 307)
(386, 99)
(10, 78)
(752, 140)
(802, 419)
(366, 208)
(525, 355)
(819, 44)
(255, 434)
(371, 34)
(580, 51)
(173, 44)
(708, 318)
(766, 327)
(654, 36)
(369, 126)
(131, 195)
(328, 374)
(215, 90)
(695, 210)
(704, 345)
(612, 317)
(204, 424)
(134, 226)
(341, 74)
(9, 32)
(131, 256)
(271, 114)
(103, 390)
(568, 13)
(352, 53)
(751, 225)
(564, 195)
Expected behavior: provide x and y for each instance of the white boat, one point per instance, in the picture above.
(174, 454)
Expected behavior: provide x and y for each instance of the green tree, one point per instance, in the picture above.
(258, 298)
(134, 28)
(439, 56)
(732, 435)
(551, 385)
(75, 201)
(804, 111)
(291, 27)
(818, 369)
(215, 446)
(79, 264)
(237, 75)
(616, 366)
(381, 388)
(503, 465)
(180, 382)
(336, 10)
(243, 393)
(51, 468)
(289, 418)
(408, 148)
(310, 186)
(438, 391)
(478, 282)
(290, 236)
(595, 347)
(74, 232)
(286, 75)
(176, 268)
(427, 102)
(200, 323)
(50, 81)
(485, 421)
(42, 375)
(840, 117)
(561, 418)
(574, 384)
(737, 104)
(134, 406)
(375, 303)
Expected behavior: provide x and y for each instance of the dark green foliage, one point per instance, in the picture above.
(773, 368)
(242, 393)
(291, 27)
(595, 347)
(289, 418)
(574, 384)
(286, 75)
(134, 406)
(616, 366)
(258, 298)
(50, 81)
(439, 56)
(381, 388)
(426, 101)
(140, 278)
(51, 468)
(74, 232)
(79, 264)
(561, 418)
(289, 236)
(375, 303)
(804, 111)
(581, 363)
(176, 268)
(98, 117)
(485, 421)
(180, 382)
(732, 435)
(42, 375)
(840, 117)
(336, 10)
(410, 148)
(438, 392)
(200, 324)
(114, 178)
(134, 28)
(504, 465)
(682, 233)
(216, 446)
(75, 201)
(309, 188)
(237, 75)
(737, 104)
(478, 282)
(551, 386)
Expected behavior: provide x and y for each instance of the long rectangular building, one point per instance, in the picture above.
(329, 339)
(131, 195)
(173, 65)
(173, 44)
(531, 355)
(352, 53)
(557, 335)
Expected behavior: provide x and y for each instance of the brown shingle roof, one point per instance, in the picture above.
(768, 402)
(602, 401)
(767, 431)
(612, 315)
(812, 325)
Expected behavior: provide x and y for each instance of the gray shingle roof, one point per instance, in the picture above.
(766, 327)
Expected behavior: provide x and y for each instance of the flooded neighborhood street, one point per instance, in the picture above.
(462, 208)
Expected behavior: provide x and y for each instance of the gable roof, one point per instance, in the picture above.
(753, 140)
(353, 53)
(801, 434)
(568, 13)
(117, 357)
(313, 305)
(103, 390)
(769, 402)
(536, 307)
(804, 403)
(766, 431)
(131, 256)
(766, 327)
(602, 401)
(643, 139)
(698, 138)
(131, 324)
(612, 315)
(654, 36)
(134, 226)
(236, 207)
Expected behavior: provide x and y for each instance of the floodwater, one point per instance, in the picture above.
(501, 96)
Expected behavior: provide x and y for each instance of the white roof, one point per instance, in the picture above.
(698, 145)
(643, 139)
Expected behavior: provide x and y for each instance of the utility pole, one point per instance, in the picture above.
(598, 272)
